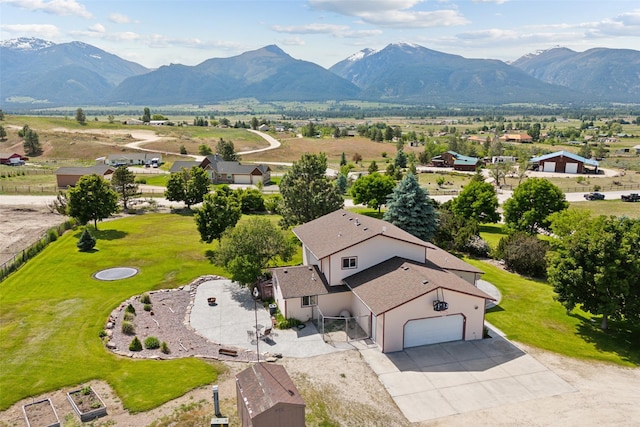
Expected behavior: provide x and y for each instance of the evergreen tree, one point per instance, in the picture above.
(81, 117)
(31, 142)
(3, 133)
(86, 241)
(124, 182)
(343, 159)
(400, 161)
(342, 183)
(373, 167)
(226, 150)
(146, 116)
(306, 192)
(410, 208)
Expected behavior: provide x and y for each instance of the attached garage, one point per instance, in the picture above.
(242, 179)
(433, 330)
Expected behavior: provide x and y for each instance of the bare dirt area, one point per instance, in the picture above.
(23, 224)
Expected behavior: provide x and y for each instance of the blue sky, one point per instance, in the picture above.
(160, 32)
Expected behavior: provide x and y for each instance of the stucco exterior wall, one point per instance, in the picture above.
(333, 304)
(466, 275)
(370, 253)
(471, 307)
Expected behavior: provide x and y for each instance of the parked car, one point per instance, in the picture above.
(594, 196)
(633, 197)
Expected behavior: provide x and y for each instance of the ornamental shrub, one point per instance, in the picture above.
(145, 298)
(164, 347)
(135, 345)
(151, 343)
(128, 328)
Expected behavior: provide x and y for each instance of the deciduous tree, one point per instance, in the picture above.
(477, 201)
(372, 190)
(248, 248)
(597, 266)
(92, 199)
(219, 211)
(306, 192)
(188, 186)
(531, 204)
(410, 208)
(81, 117)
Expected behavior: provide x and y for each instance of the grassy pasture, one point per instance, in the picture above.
(528, 313)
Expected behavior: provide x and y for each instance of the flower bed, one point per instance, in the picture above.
(87, 404)
(41, 414)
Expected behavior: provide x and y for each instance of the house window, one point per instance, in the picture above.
(349, 262)
(309, 301)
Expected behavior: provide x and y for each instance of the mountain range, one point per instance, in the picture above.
(36, 73)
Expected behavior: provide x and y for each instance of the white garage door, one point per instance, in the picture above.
(242, 179)
(571, 168)
(549, 167)
(433, 330)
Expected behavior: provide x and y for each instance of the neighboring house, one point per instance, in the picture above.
(224, 172)
(264, 128)
(565, 162)
(516, 137)
(12, 159)
(267, 397)
(402, 291)
(637, 148)
(69, 176)
(456, 161)
(131, 159)
(133, 122)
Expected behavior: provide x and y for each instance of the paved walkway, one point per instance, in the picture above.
(232, 322)
(439, 380)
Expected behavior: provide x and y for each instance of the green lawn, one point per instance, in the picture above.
(529, 314)
(53, 310)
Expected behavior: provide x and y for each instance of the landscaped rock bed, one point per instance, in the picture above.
(165, 317)
(41, 414)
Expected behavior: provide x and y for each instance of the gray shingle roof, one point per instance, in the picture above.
(397, 281)
(303, 280)
(342, 229)
(98, 170)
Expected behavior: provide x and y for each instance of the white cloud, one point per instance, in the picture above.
(490, 1)
(340, 31)
(291, 41)
(54, 7)
(357, 7)
(119, 18)
(98, 28)
(392, 13)
(45, 31)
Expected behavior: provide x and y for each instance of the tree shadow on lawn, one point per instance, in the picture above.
(621, 338)
(105, 234)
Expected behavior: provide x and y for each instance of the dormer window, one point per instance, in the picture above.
(349, 263)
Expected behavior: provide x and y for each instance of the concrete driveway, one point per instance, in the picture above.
(439, 380)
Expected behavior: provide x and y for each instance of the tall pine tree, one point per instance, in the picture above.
(410, 208)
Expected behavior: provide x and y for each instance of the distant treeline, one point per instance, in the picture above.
(350, 110)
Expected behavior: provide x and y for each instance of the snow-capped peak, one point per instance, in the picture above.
(359, 55)
(26, 43)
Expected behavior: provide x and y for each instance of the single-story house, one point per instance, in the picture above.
(565, 162)
(456, 161)
(12, 159)
(267, 397)
(264, 128)
(226, 172)
(131, 159)
(516, 137)
(637, 148)
(69, 176)
(402, 291)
